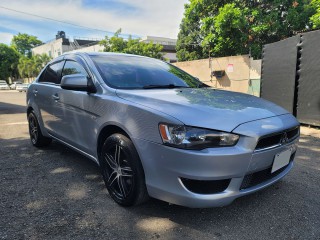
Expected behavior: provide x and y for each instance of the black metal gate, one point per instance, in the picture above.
(291, 76)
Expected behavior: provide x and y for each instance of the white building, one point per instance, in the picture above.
(169, 46)
(92, 48)
(53, 48)
(63, 44)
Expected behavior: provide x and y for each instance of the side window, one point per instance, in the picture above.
(72, 67)
(52, 74)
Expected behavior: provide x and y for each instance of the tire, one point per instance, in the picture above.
(36, 137)
(122, 171)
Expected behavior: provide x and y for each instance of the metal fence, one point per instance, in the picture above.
(291, 75)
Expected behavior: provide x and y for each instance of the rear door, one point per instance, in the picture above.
(48, 83)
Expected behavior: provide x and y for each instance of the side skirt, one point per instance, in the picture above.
(76, 149)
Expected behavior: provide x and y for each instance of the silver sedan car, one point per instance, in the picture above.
(4, 85)
(22, 87)
(156, 131)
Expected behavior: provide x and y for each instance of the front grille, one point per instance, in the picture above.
(276, 138)
(293, 133)
(206, 187)
(266, 142)
(256, 178)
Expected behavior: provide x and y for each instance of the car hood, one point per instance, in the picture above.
(205, 107)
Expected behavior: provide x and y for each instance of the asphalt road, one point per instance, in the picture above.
(55, 193)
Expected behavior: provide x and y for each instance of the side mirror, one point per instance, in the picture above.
(77, 82)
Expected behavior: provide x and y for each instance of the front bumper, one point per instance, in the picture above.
(165, 167)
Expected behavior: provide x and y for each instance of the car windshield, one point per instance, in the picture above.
(133, 72)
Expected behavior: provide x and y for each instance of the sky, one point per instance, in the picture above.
(138, 18)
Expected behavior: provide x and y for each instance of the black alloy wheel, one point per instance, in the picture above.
(122, 171)
(33, 129)
(36, 137)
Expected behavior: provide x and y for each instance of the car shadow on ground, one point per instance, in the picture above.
(56, 192)
(8, 108)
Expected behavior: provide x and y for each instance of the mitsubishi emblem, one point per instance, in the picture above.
(284, 138)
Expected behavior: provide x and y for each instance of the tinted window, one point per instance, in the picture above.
(52, 74)
(72, 67)
(137, 72)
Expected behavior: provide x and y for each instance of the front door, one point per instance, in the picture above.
(74, 108)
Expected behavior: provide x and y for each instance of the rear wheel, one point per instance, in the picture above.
(122, 171)
(36, 137)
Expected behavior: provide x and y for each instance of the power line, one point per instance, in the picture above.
(64, 22)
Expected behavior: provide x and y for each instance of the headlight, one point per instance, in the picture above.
(195, 138)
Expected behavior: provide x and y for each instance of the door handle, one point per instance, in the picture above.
(55, 97)
(35, 91)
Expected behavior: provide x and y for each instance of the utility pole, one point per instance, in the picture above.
(210, 65)
(250, 66)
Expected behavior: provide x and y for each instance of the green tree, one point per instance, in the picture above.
(315, 19)
(23, 43)
(131, 46)
(24, 67)
(9, 58)
(39, 62)
(227, 31)
(31, 67)
(233, 27)
(189, 38)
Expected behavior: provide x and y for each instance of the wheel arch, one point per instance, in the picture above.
(34, 108)
(29, 110)
(107, 131)
(141, 193)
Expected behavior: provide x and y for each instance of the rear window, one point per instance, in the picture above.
(52, 74)
(133, 72)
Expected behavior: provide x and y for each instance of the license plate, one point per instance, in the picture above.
(281, 159)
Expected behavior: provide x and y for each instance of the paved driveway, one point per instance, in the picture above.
(55, 193)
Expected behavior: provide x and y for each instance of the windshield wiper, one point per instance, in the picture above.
(202, 85)
(163, 86)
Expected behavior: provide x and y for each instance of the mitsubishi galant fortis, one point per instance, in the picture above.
(156, 131)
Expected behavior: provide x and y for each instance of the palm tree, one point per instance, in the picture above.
(31, 67)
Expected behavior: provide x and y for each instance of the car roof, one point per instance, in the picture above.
(102, 54)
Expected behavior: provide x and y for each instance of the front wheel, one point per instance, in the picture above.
(122, 171)
(36, 137)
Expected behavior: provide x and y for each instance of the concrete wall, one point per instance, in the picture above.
(255, 77)
(171, 56)
(242, 74)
